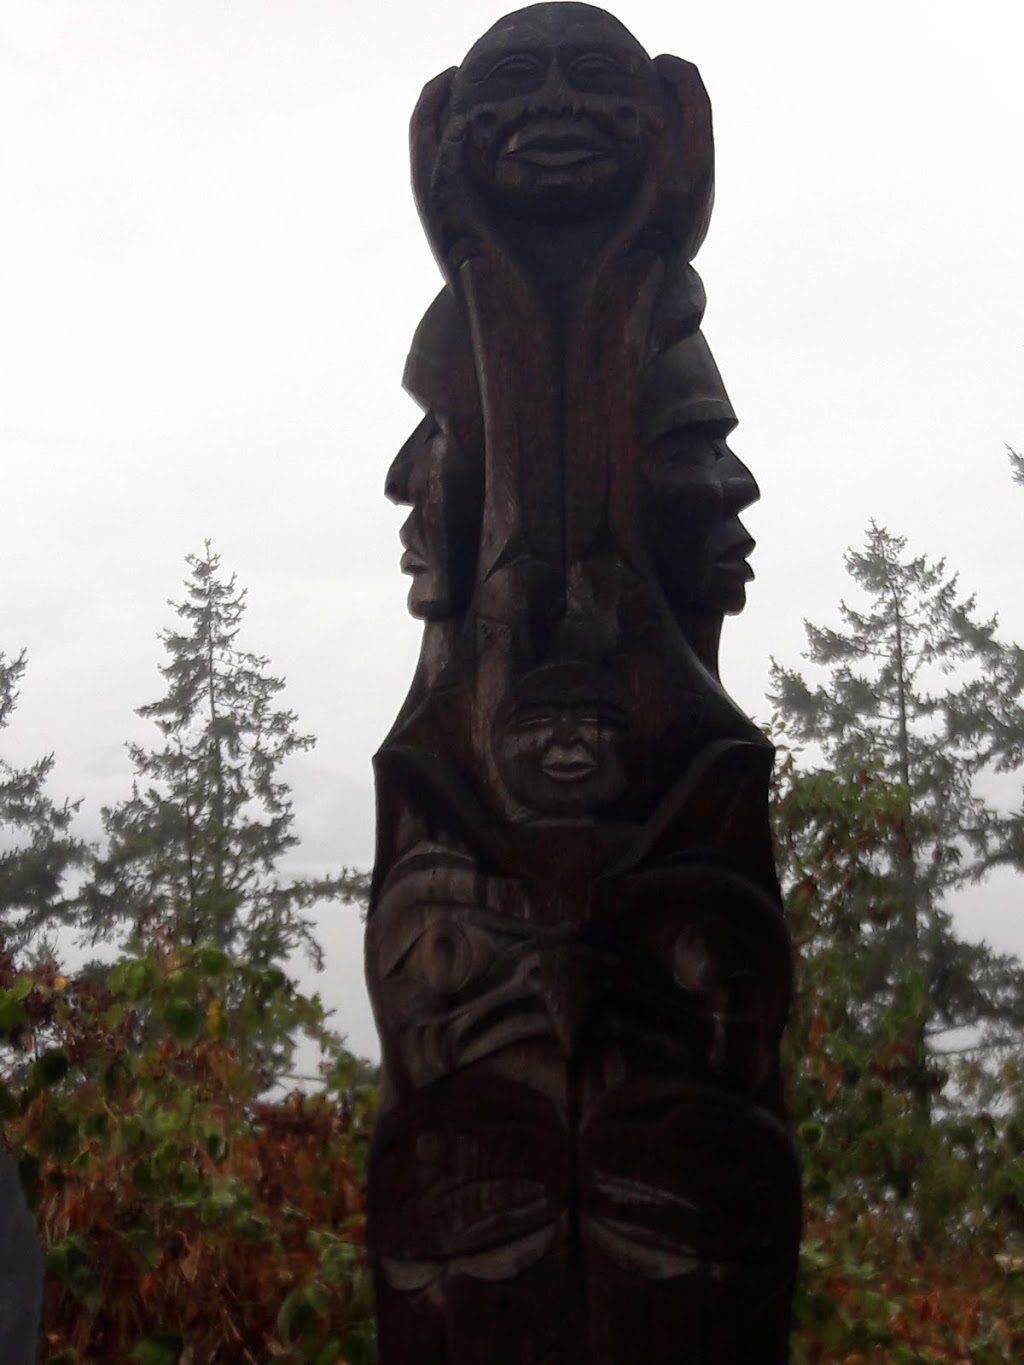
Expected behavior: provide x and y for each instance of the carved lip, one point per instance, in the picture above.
(555, 144)
(568, 765)
(415, 559)
(412, 563)
(733, 560)
(735, 566)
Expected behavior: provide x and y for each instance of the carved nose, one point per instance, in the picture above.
(566, 728)
(555, 96)
(739, 487)
(399, 478)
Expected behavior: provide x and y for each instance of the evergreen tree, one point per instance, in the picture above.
(903, 678)
(195, 850)
(37, 850)
(987, 716)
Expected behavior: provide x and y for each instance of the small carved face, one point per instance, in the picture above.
(558, 101)
(433, 475)
(697, 488)
(562, 752)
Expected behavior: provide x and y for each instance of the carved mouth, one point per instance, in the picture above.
(568, 765)
(552, 144)
(411, 563)
(733, 560)
(736, 567)
(414, 560)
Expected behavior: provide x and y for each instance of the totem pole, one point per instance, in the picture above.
(575, 949)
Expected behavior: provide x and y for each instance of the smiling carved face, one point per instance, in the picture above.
(557, 102)
(561, 741)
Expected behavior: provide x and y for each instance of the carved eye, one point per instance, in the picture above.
(592, 66)
(685, 450)
(442, 956)
(520, 66)
(535, 717)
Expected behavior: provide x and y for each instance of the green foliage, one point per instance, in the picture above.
(195, 848)
(39, 851)
(914, 1226)
(885, 709)
(889, 687)
(183, 1218)
(192, 857)
(904, 1049)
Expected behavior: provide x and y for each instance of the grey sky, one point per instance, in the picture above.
(210, 269)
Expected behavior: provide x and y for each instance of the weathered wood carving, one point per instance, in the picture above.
(575, 949)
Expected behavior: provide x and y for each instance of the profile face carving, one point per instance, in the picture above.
(698, 487)
(438, 473)
(695, 486)
(556, 102)
(433, 475)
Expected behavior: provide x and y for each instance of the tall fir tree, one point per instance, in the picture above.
(38, 852)
(196, 848)
(987, 716)
(902, 678)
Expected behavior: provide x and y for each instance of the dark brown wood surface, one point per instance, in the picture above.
(575, 950)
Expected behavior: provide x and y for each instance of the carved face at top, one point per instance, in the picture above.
(557, 100)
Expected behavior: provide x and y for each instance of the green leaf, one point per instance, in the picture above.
(299, 1314)
(183, 1019)
(360, 1345)
(213, 961)
(22, 988)
(71, 1260)
(12, 1015)
(159, 1348)
(50, 1067)
(215, 1144)
(139, 977)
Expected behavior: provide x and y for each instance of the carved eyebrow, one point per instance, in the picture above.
(573, 52)
(526, 58)
(531, 61)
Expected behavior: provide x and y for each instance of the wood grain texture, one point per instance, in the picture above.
(575, 949)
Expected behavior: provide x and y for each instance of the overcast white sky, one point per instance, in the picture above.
(211, 267)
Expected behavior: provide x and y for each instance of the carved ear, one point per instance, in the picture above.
(425, 129)
(688, 109)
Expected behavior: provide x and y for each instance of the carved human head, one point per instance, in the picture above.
(557, 100)
(561, 740)
(439, 470)
(696, 486)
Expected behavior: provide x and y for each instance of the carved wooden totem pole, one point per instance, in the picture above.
(575, 949)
